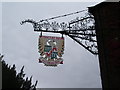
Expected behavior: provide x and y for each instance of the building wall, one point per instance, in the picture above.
(107, 24)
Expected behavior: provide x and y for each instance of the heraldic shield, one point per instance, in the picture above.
(51, 50)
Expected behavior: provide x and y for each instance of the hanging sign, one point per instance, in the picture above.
(51, 50)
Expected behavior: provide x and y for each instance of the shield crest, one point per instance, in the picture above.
(51, 50)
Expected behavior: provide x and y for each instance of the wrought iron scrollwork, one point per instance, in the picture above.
(81, 29)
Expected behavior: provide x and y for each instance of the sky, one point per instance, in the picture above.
(0, 43)
(20, 46)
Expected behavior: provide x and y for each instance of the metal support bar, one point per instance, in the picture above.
(95, 53)
(81, 30)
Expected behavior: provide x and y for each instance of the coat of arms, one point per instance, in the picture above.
(51, 50)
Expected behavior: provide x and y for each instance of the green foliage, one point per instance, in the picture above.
(10, 78)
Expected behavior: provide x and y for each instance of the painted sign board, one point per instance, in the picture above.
(51, 50)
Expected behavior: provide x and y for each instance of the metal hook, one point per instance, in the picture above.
(41, 34)
(62, 35)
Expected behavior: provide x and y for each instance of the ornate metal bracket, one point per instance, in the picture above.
(82, 30)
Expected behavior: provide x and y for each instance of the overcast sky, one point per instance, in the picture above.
(20, 46)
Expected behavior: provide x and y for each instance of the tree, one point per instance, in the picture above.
(10, 78)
